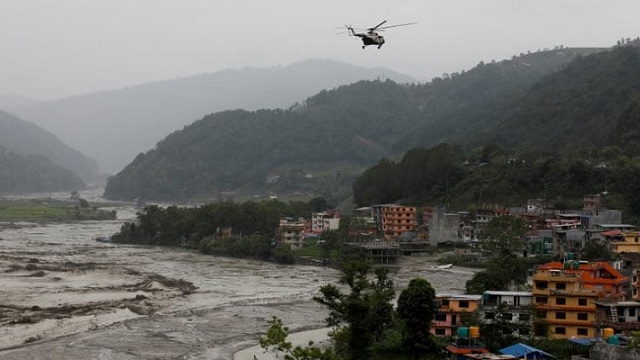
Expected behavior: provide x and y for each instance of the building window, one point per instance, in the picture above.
(464, 304)
(583, 316)
(541, 300)
(542, 285)
(524, 317)
(583, 331)
(561, 286)
(441, 317)
(507, 317)
(632, 312)
(561, 330)
(489, 316)
(440, 332)
(561, 301)
(561, 315)
(582, 302)
(445, 302)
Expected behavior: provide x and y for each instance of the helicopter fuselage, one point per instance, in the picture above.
(371, 38)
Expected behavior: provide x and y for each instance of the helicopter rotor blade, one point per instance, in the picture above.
(377, 26)
(392, 26)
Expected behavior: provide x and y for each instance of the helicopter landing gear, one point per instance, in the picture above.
(363, 46)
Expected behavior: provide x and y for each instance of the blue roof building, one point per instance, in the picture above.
(524, 351)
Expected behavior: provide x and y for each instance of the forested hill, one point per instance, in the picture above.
(538, 99)
(34, 173)
(137, 117)
(581, 105)
(318, 147)
(23, 139)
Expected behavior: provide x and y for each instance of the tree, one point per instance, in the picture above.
(417, 308)
(502, 271)
(504, 235)
(276, 340)
(361, 317)
(596, 251)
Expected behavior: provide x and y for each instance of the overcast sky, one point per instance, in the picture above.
(56, 48)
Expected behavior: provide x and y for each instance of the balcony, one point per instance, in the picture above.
(575, 292)
(620, 325)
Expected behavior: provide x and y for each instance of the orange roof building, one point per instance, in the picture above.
(565, 294)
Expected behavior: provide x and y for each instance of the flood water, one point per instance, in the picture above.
(66, 296)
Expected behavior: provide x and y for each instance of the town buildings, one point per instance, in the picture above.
(623, 317)
(512, 311)
(565, 294)
(451, 312)
(397, 219)
(291, 233)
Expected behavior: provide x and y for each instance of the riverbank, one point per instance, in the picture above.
(40, 211)
(66, 296)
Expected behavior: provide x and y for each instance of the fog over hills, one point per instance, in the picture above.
(24, 138)
(8, 101)
(114, 126)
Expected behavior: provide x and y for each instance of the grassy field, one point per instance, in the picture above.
(11, 211)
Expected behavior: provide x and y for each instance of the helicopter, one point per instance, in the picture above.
(371, 37)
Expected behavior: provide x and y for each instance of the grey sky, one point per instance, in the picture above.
(56, 48)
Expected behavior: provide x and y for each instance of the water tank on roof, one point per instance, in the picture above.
(463, 332)
(607, 333)
(474, 332)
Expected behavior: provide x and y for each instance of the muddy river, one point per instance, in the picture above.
(66, 296)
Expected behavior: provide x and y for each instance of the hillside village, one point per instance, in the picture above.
(585, 302)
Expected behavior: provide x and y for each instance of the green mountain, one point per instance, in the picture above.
(574, 132)
(34, 173)
(24, 138)
(137, 117)
(549, 100)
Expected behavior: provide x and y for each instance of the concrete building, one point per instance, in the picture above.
(324, 221)
(398, 219)
(444, 228)
(623, 241)
(290, 233)
(508, 307)
(623, 316)
(450, 312)
(566, 293)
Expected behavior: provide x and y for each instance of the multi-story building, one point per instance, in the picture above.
(624, 241)
(563, 308)
(445, 228)
(324, 221)
(451, 311)
(634, 284)
(565, 294)
(511, 310)
(623, 317)
(290, 233)
(592, 203)
(397, 219)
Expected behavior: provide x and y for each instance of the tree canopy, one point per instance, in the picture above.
(560, 101)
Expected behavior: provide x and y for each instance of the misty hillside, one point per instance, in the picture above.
(9, 101)
(24, 138)
(114, 126)
(321, 146)
(34, 173)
